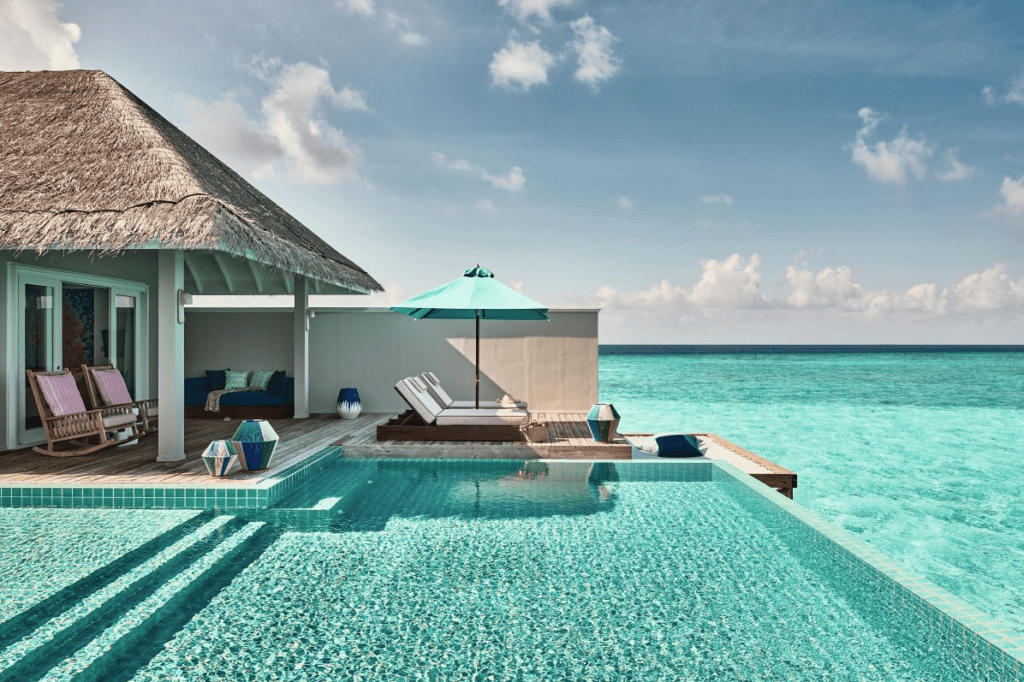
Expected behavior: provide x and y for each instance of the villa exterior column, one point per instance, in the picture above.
(170, 328)
(301, 326)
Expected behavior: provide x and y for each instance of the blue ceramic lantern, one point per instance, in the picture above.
(603, 420)
(349, 405)
(254, 442)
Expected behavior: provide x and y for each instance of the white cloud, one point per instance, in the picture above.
(1014, 95)
(624, 203)
(524, 9)
(364, 7)
(33, 38)
(404, 28)
(891, 161)
(294, 139)
(956, 170)
(485, 206)
(827, 288)
(729, 284)
(517, 285)
(989, 289)
(1016, 92)
(1013, 195)
(734, 285)
(513, 181)
(224, 128)
(717, 199)
(520, 66)
(594, 56)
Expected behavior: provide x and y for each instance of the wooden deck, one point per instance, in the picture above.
(568, 438)
(135, 465)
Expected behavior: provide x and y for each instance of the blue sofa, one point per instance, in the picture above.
(278, 401)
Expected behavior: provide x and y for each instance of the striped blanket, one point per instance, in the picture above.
(213, 397)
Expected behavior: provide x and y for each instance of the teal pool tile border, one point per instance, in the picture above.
(989, 640)
(260, 496)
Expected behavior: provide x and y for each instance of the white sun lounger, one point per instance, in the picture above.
(420, 400)
(432, 385)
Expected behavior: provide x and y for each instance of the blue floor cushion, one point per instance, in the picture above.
(667, 445)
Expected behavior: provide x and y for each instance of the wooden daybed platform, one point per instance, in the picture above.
(408, 426)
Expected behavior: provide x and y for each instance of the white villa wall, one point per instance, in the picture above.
(134, 266)
(553, 365)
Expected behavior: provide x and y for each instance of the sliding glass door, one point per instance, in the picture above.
(69, 320)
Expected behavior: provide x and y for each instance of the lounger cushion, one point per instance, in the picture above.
(419, 400)
(430, 382)
(485, 404)
(111, 387)
(61, 394)
(668, 445)
(464, 417)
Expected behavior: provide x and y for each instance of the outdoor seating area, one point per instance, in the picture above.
(72, 429)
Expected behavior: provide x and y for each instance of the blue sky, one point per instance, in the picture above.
(706, 172)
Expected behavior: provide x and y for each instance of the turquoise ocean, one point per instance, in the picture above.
(917, 450)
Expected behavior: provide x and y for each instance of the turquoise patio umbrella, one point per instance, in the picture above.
(475, 295)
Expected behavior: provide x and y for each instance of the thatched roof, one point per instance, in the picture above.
(86, 165)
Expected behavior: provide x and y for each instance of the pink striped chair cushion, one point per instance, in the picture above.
(112, 388)
(61, 393)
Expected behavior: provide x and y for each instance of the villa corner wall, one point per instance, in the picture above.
(552, 365)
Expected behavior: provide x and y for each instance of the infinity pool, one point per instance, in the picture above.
(488, 570)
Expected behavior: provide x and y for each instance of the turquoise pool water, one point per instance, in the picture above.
(501, 570)
(919, 454)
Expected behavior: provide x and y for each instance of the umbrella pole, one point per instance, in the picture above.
(478, 361)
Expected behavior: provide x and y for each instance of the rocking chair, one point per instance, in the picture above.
(107, 388)
(66, 420)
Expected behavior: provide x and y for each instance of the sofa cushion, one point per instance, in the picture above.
(250, 398)
(238, 379)
(196, 398)
(215, 379)
(260, 378)
(278, 385)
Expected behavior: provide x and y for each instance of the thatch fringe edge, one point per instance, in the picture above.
(193, 222)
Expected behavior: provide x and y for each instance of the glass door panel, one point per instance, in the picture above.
(38, 316)
(126, 343)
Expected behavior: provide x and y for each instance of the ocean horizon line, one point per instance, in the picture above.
(781, 348)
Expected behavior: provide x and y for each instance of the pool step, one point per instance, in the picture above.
(155, 620)
(36, 652)
(13, 629)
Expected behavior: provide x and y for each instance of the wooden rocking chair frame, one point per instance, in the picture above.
(147, 421)
(75, 428)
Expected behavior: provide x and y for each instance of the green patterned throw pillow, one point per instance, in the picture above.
(236, 379)
(260, 379)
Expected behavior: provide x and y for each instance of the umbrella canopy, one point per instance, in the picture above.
(475, 295)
